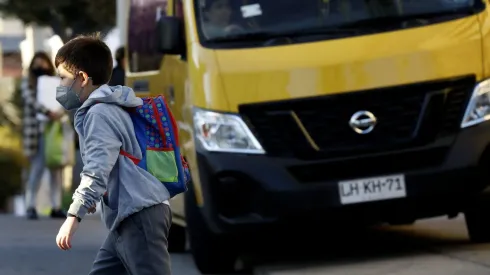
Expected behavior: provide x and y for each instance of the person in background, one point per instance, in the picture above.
(217, 19)
(33, 141)
(119, 72)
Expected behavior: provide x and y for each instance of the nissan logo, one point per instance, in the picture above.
(363, 122)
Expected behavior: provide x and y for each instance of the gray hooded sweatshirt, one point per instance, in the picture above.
(104, 130)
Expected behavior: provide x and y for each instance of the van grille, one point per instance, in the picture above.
(407, 116)
(400, 162)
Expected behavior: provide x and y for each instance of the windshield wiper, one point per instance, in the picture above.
(383, 21)
(252, 36)
(321, 30)
(288, 34)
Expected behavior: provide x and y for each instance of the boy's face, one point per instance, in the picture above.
(80, 83)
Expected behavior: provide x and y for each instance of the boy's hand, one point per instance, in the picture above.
(92, 209)
(67, 230)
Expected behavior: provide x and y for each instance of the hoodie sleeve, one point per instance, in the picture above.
(101, 151)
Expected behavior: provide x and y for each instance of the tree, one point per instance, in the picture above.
(67, 18)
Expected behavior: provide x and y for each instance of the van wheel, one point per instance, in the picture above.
(177, 239)
(477, 218)
(213, 254)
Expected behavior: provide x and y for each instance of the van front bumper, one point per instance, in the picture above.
(249, 192)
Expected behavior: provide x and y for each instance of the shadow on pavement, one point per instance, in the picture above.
(311, 246)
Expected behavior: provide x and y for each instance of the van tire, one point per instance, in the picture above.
(177, 239)
(477, 218)
(213, 254)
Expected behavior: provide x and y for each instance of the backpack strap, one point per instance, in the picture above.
(134, 159)
(174, 123)
(159, 121)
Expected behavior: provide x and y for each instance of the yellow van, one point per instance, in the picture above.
(319, 111)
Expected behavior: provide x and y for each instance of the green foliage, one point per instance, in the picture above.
(11, 164)
(12, 160)
(67, 17)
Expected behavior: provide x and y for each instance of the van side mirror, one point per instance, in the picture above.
(170, 36)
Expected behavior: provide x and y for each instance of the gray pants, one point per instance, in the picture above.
(36, 173)
(138, 246)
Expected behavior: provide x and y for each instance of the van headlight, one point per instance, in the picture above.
(221, 132)
(478, 109)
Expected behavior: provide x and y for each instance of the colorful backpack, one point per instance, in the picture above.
(158, 138)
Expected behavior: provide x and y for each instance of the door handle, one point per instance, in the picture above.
(171, 95)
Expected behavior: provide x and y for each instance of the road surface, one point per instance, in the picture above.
(28, 248)
(430, 247)
(433, 247)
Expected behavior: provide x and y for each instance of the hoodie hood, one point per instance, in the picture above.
(120, 95)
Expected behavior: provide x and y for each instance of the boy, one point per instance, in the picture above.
(134, 203)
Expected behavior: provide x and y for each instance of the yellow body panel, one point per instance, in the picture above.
(484, 19)
(252, 75)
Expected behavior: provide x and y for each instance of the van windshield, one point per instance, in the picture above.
(225, 21)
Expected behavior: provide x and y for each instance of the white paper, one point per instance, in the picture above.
(46, 94)
(251, 10)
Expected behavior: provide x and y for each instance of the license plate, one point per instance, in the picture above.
(372, 189)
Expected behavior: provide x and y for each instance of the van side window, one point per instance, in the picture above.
(179, 9)
(142, 52)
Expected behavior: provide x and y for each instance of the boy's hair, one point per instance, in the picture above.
(87, 53)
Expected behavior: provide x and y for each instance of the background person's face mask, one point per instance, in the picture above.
(67, 96)
(37, 72)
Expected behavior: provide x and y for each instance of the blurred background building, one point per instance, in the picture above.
(12, 33)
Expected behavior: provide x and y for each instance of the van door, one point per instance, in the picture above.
(144, 65)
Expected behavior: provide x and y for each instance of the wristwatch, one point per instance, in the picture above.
(75, 216)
